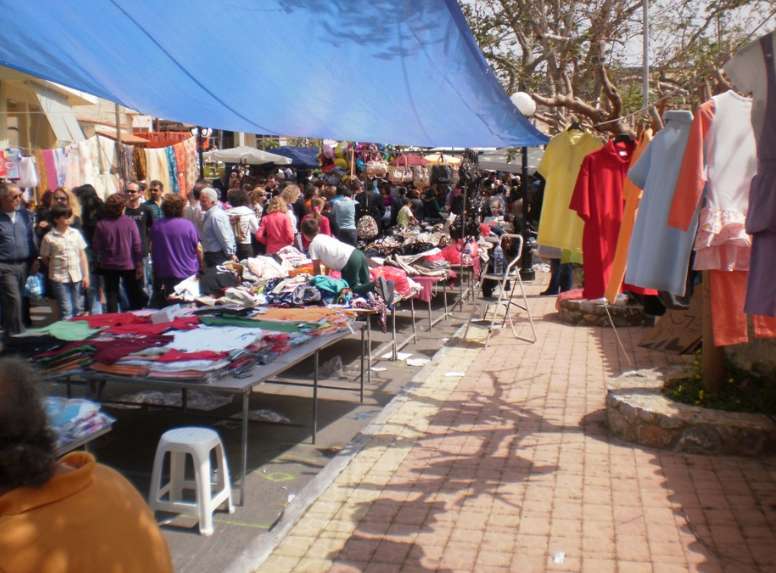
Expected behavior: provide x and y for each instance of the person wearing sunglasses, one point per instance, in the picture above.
(17, 254)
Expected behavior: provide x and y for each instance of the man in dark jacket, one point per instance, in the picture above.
(17, 252)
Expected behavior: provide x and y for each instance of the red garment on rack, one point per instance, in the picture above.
(598, 200)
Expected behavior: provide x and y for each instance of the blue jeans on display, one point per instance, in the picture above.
(69, 298)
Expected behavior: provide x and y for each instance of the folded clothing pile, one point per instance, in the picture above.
(74, 419)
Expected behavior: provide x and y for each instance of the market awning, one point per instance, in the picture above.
(245, 154)
(299, 156)
(399, 71)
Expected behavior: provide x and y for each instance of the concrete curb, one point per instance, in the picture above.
(261, 548)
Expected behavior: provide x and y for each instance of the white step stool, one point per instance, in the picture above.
(198, 443)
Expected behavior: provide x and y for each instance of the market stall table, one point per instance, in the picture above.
(244, 384)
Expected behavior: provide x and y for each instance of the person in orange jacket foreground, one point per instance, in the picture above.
(68, 515)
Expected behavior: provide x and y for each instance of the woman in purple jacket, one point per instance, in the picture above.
(118, 251)
(175, 249)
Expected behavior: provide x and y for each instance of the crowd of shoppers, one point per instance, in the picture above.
(132, 249)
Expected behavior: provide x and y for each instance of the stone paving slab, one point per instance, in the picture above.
(511, 468)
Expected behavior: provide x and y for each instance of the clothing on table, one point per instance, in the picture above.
(746, 71)
(174, 244)
(632, 195)
(217, 235)
(720, 157)
(659, 255)
(64, 252)
(331, 252)
(214, 338)
(68, 330)
(598, 201)
(116, 244)
(143, 216)
(558, 225)
(275, 231)
(83, 500)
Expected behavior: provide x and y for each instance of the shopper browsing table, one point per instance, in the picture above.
(348, 260)
(72, 514)
(217, 236)
(175, 248)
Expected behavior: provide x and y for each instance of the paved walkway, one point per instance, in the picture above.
(510, 468)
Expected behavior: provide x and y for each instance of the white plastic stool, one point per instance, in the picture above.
(198, 443)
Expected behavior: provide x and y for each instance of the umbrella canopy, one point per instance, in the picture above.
(299, 156)
(245, 154)
(440, 158)
(498, 161)
(409, 160)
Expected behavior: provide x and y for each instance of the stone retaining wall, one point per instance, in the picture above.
(638, 412)
(593, 313)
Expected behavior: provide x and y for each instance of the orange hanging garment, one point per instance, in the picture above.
(632, 195)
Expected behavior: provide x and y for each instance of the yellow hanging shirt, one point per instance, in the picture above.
(559, 226)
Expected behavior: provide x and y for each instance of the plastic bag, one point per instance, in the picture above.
(35, 287)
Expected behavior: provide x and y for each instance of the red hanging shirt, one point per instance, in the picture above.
(598, 200)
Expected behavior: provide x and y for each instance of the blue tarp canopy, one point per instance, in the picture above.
(388, 71)
(299, 156)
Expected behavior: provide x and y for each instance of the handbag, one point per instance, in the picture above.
(421, 176)
(376, 168)
(367, 228)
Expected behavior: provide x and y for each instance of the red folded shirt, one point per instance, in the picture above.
(177, 356)
(113, 319)
(182, 323)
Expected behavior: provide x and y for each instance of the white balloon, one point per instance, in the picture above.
(524, 102)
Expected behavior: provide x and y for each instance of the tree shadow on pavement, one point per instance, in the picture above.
(463, 476)
(720, 511)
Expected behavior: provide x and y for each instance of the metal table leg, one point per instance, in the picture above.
(414, 328)
(444, 296)
(369, 348)
(246, 402)
(395, 346)
(430, 318)
(363, 343)
(315, 396)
